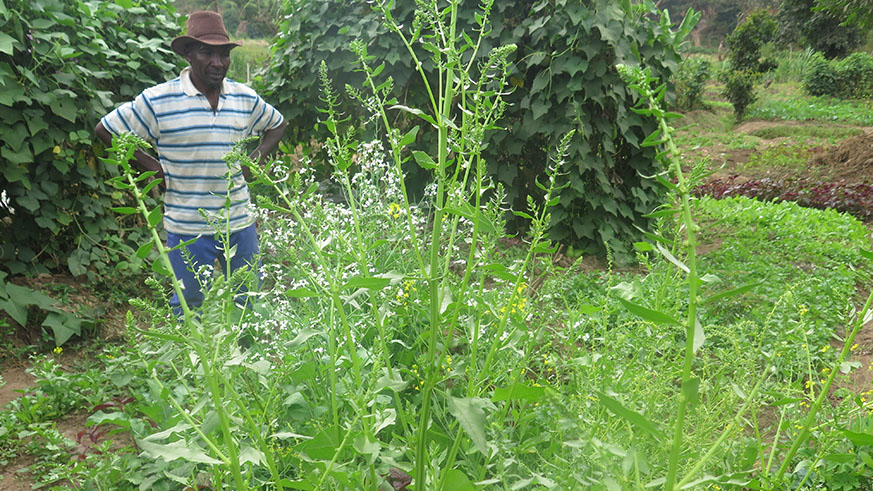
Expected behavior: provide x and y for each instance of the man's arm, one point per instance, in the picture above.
(141, 159)
(265, 149)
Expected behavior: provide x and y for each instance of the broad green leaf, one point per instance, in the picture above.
(7, 43)
(630, 416)
(839, 458)
(519, 392)
(177, 450)
(458, 481)
(390, 380)
(323, 445)
(18, 312)
(301, 337)
(648, 314)
(470, 413)
(865, 253)
(858, 438)
(143, 251)
(155, 217)
(424, 160)
(161, 269)
(63, 326)
(124, 210)
(409, 137)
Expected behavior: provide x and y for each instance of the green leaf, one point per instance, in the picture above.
(519, 392)
(839, 458)
(630, 416)
(177, 450)
(699, 336)
(302, 336)
(691, 390)
(416, 112)
(124, 210)
(7, 43)
(470, 413)
(301, 292)
(65, 108)
(370, 283)
(858, 438)
(424, 160)
(63, 325)
(409, 137)
(160, 268)
(144, 250)
(458, 481)
(18, 312)
(648, 314)
(155, 217)
(733, 292)
(865, 253)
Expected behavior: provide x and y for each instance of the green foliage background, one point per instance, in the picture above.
(64, 64)
(850, 77)
(564, 79)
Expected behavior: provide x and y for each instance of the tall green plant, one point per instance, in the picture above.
(562, 79)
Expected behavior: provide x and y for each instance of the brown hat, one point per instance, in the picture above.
(203, 27)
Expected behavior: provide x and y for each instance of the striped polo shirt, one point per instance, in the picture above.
(190, 140)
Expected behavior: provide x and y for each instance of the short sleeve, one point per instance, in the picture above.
(264, 117)
(137, 117)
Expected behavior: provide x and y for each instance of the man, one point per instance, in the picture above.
(193, 121)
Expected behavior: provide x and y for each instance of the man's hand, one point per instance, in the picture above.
(265, 149)
(141, 160)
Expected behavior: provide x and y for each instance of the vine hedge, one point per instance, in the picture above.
(564, 78)
(63, 64)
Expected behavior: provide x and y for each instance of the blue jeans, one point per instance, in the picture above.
(204, 252)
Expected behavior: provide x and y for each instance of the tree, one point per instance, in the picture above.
(802, 23)
(855, 12)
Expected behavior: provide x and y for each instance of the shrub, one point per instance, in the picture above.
(744, 61)
(851, 77)
(739, 89)
(563, 79)
(690, 81)
(63, 64)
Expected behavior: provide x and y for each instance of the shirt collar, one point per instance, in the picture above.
(188, 86)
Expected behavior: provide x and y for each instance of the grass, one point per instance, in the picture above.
(245, 60)
(786, 102)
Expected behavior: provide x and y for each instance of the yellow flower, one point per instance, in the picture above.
(854, 347)
(58, 350)
(394, 209)
(56, 150)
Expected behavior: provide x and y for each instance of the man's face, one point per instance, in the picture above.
(209, 64)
